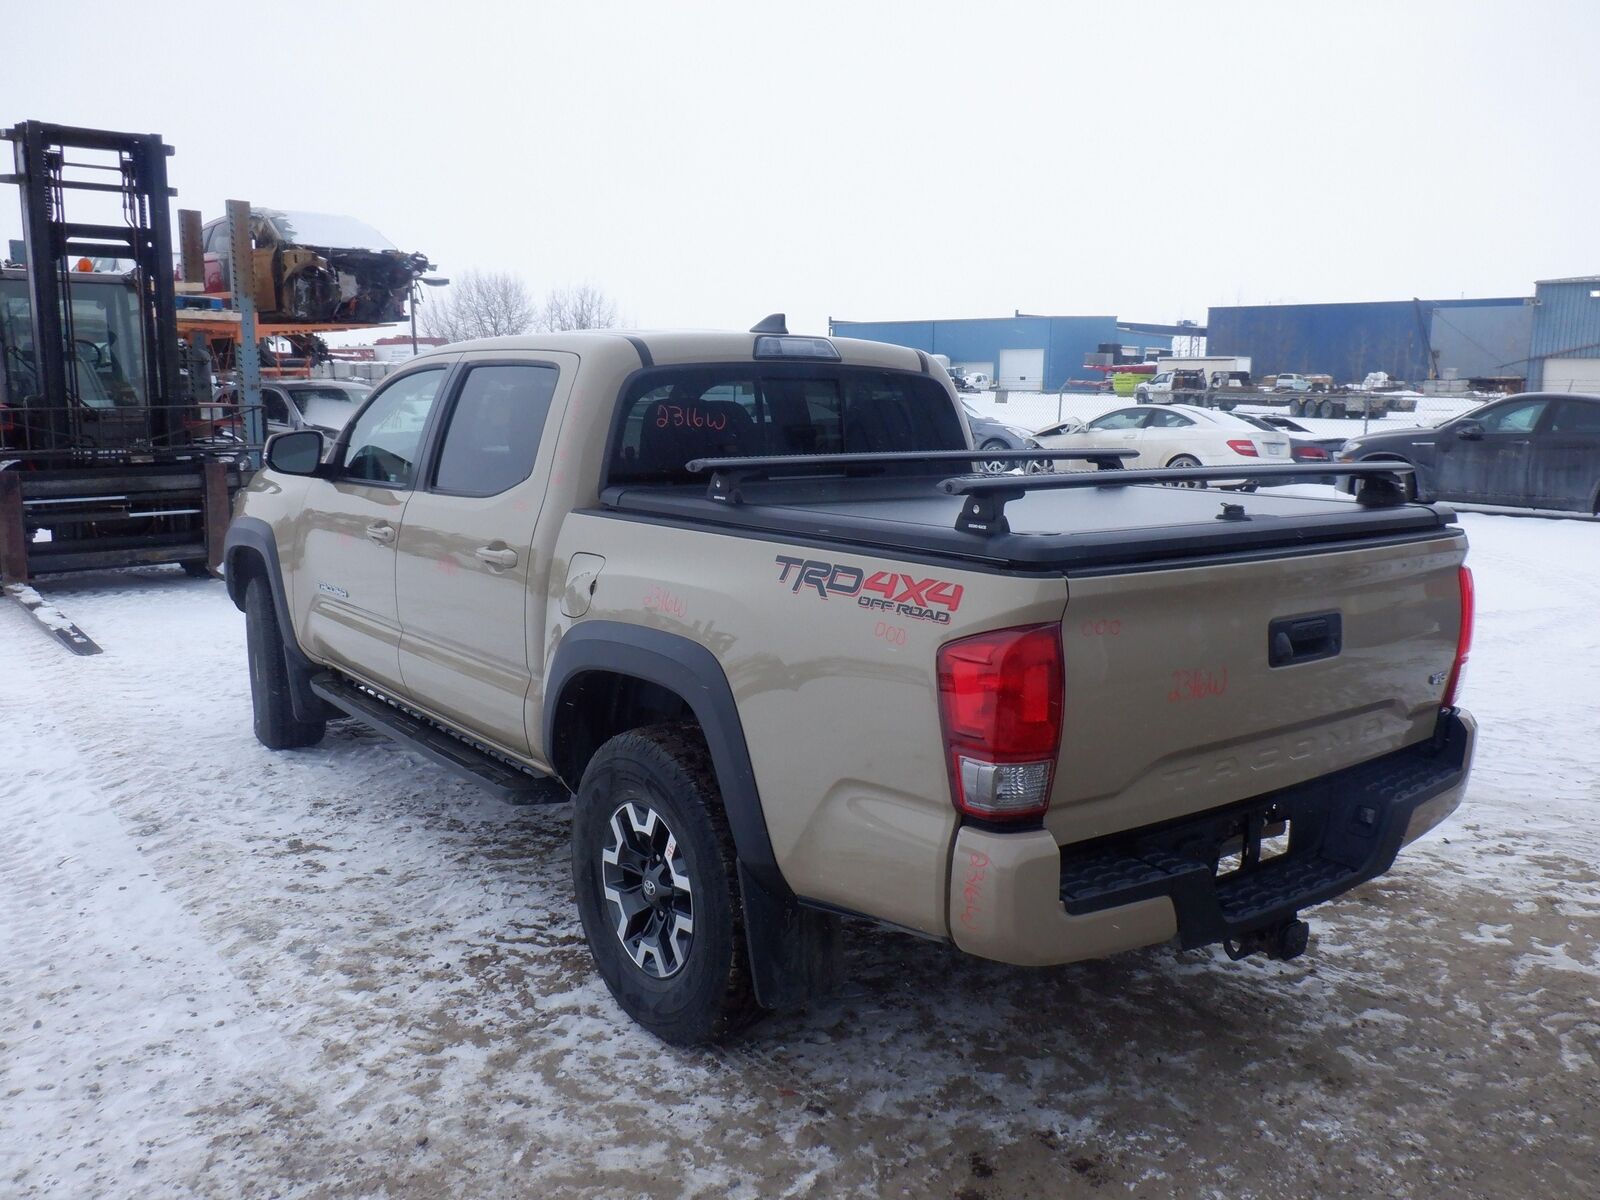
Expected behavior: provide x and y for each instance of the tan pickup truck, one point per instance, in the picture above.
(746, 599)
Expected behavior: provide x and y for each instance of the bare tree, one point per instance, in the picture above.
(481, 304)
(581, 307)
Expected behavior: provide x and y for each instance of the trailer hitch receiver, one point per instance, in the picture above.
(1282, 942)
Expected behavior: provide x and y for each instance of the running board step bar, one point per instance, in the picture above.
(508, 782)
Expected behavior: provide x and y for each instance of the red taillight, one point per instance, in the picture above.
(1243, 446)
(1469, 605)
(1311, 454)
(1000, 697)
(5, 419)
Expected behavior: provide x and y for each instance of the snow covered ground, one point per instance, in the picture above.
(339, 972)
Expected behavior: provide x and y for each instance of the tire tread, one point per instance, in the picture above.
(276, 726)
(681, 748)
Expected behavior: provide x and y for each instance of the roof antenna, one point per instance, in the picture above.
(776, 323)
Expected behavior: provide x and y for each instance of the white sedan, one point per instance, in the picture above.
(1170, 435)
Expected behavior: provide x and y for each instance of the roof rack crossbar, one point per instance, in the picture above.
(1382, 486)
(728, 473)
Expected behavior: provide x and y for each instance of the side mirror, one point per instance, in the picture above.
(1469, 431)
(296, 453)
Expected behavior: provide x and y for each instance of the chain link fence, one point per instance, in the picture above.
(1033, 411)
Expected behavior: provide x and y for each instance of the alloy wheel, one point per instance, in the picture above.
(1184, 461)
(646, 883)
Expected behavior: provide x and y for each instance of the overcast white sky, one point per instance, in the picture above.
(709, 163)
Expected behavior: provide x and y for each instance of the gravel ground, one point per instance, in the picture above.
(338, 972)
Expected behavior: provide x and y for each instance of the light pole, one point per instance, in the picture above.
(434, 282)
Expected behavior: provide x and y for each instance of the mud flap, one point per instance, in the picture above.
(796, 953)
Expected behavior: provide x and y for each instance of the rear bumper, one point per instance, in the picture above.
(1020, 898)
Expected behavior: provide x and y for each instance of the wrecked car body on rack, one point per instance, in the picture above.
(318, 267)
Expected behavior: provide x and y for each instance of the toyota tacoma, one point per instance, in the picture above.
(750, 603)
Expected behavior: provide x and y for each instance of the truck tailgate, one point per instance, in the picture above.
(1174, 704)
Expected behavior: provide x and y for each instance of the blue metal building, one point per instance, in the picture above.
(1410, 339)
(1020, 352)
(1566, 335)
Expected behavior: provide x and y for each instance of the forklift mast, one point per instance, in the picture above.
(107, 459)
(133, 168)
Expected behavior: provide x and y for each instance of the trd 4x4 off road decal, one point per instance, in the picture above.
(891, 591)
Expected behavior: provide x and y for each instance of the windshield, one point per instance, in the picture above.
(106, 363)
(324, 229)
(328, 408)
(305, 394)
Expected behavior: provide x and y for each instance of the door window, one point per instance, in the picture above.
(1123, 418)
(1167, 419)
(277, 408)
(1520, 416)
(494, 430)
(1574, 417)
(385, 439)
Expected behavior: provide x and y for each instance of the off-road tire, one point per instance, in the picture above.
(667, 769)
(276, 726)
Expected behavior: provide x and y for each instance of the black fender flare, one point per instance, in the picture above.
(693, 672)
(253, 537)
(794, 950)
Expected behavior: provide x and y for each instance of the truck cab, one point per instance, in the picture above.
(1161, 387)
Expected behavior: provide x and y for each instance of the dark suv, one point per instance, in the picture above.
(1537, 450)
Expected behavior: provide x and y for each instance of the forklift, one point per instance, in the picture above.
(112, 453)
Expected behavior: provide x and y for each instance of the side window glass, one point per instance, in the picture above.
(277, 410)
(1123, 418)
(494, 430)
(384, 440)
(1577, 416)
(1513, 418)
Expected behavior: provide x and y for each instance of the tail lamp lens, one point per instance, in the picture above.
(1469, 607)
(1000, 699)
(1243, 446)
(1311, 454)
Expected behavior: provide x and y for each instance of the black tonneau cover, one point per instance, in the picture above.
(1093, 530)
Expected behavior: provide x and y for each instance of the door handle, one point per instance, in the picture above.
(381, 532)
(500, 559)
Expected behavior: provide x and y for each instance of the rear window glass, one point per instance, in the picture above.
(671, 416)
